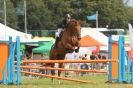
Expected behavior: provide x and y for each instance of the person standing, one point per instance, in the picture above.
(84, 66)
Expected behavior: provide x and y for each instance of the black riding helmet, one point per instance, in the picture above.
(67, 16)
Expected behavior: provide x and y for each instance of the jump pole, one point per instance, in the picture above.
(62, 69)
(56, 77)
(68, 61)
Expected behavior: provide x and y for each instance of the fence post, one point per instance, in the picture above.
(18, 60)
(123, 59)
(110, 56)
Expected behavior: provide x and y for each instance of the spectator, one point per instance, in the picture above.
(84, 65)
(104, 58)
(99, 56)
(93, 56)
(99, 65)
(85, 57)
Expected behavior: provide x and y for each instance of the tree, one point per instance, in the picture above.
(45, 14)
(112, 13)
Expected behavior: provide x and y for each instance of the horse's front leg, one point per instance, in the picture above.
(77, 49)
(78, 46)
(69, 46)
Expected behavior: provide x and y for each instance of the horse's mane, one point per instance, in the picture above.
(72, 23)
(72, 27)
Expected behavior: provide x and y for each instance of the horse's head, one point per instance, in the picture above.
(74, 26)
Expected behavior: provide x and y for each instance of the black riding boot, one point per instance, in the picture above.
(56, 41)
(60, 35)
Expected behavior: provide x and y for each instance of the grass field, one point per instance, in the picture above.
(46, 83)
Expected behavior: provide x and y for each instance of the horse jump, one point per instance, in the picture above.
(120, 71)
(117, 73)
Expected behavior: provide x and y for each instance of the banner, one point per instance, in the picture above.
(131, 40)
(92, 17)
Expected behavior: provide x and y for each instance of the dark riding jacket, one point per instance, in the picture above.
(62, 24)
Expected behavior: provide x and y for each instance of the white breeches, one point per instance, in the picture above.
(58, 32)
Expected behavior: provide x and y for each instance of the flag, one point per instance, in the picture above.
(131, 40)
(92, 17)
(19, 10)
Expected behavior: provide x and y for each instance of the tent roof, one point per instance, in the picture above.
(44, 39)
(88, 41)
(44, 48)
(97, 35)
(100, 37)
(7, 31)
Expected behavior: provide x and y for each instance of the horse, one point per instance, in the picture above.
(68, 43)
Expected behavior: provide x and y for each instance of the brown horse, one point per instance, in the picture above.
(69, 42)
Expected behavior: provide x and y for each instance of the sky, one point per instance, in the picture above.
(130, 3)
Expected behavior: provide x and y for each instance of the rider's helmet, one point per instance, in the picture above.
(68, 16)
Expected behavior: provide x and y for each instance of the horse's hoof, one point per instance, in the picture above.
(59, 82)
(69, 51)
(77, 50)
(52, 81)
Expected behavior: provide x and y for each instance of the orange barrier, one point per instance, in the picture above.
(62, 69)
(68, 61)
(115, 53)
(63, 78)
(3, 57)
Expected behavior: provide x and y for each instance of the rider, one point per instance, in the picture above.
(62, 26)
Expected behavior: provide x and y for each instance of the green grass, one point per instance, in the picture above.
(46, 83)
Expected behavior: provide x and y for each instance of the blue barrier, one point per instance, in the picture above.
(125, 71)
(12, 73)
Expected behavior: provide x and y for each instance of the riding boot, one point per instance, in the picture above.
(56, 41)
(60, 35)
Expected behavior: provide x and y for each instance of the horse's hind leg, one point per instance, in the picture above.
(59, 72)
(52, 72)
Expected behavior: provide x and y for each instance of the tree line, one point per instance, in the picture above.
(46, 14)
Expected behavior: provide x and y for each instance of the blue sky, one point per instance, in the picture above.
(130, 3)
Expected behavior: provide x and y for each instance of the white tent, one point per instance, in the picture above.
(6, 31)
(94, 33)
